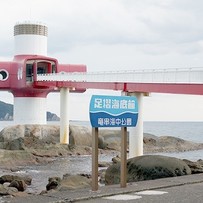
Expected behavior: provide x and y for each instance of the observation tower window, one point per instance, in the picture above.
(41, 70)
(29, 72)
(34, 67)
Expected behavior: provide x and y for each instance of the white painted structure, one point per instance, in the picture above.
(30, 39)
(177, 76)
(64, 116)
(136, 133)
(26, 110)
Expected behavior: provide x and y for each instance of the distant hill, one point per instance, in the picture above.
(6, 113)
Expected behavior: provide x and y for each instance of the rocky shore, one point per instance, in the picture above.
(28, 145)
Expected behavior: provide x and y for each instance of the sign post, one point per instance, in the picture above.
(94, 159)
(111, 111)
(123, 156)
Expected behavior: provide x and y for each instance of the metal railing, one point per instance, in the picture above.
(179, 75)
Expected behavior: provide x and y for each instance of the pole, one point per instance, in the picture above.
(95, 159)
(123, 156)
(136, 133)
(64, 117)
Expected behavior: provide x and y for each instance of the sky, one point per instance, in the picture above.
(115, 35)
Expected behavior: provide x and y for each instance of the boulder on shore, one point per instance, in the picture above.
(22, 137)
(18, 182)
(196, 167)
(148, 167)
(10, 178)
(68, 182)
(32, 144)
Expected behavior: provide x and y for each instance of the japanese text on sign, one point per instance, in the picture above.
(115, 121)
(113, 111)
(100, 103)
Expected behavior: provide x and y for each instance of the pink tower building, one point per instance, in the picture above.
(18, 76)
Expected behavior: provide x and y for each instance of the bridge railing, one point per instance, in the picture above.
(186, 75)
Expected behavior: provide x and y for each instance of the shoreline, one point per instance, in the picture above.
(40, 173)
(41, 154)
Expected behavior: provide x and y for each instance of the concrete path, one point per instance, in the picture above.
(178, 189)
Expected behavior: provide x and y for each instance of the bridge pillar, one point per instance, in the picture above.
(64, 117)
(136, 133)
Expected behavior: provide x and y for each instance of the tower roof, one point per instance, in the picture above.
(30, 28)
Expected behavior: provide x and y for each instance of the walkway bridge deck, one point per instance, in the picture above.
(178, 81)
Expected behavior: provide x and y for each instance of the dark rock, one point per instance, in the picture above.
(84, 175)
(149, 141)
(200, 161)
(116, 159)
(10, 178)
(101, 143)
(54, 183)
(72, 182)
(104, 164)
(102, 173)
(148, 167)
(16, 144)
(69, 182)
(196, 167)
(18, 184)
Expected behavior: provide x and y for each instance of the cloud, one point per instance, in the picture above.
(112, 32)
(75, 22)
(153, 26)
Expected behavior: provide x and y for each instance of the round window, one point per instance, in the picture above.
(3, 74)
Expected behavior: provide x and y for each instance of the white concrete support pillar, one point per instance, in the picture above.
(136, 133)
(64, 117)
(29, 110)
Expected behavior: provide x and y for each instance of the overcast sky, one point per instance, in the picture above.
(116, 35)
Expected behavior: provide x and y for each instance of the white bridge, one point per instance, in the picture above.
(178, 75)
(133, 83)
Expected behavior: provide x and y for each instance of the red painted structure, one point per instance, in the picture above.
(18, 76)
(176, 88)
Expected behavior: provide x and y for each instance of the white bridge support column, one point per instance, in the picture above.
(64, 116)
(136, 133)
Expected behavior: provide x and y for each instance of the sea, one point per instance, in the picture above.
(191, 131)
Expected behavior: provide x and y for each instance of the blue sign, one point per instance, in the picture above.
(113, 111)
